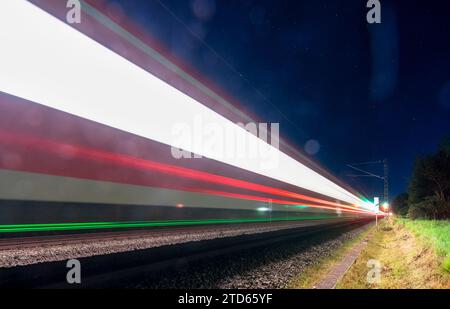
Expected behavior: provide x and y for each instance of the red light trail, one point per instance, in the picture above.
(64, 149)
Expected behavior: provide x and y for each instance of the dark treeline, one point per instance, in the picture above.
(428, 193)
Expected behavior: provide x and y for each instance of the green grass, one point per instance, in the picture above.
(436, 233)
(409, 259)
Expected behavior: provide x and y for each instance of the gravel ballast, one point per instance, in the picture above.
(270, 268)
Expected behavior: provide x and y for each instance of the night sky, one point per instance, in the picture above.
(342, 90)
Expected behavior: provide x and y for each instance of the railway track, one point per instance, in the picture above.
(53, 240)
(115, 270)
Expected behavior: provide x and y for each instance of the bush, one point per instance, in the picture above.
(400, 205)
(429, 208)
(417, 211)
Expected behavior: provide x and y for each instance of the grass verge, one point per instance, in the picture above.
(410, 254)
(314, 273)
(435, 233)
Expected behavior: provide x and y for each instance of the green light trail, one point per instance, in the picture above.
(11, 228)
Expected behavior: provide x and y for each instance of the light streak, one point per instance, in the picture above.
(12, 228)
(48, 62)
(141, 164)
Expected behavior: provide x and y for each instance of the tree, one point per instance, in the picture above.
(400, 204)
(429, 188)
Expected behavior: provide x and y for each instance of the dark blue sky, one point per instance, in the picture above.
(362, 92)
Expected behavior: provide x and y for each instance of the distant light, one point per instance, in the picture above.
(180, 205)
(390, 214)
(263, 209)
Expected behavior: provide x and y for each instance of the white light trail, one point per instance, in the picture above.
(48, 62)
